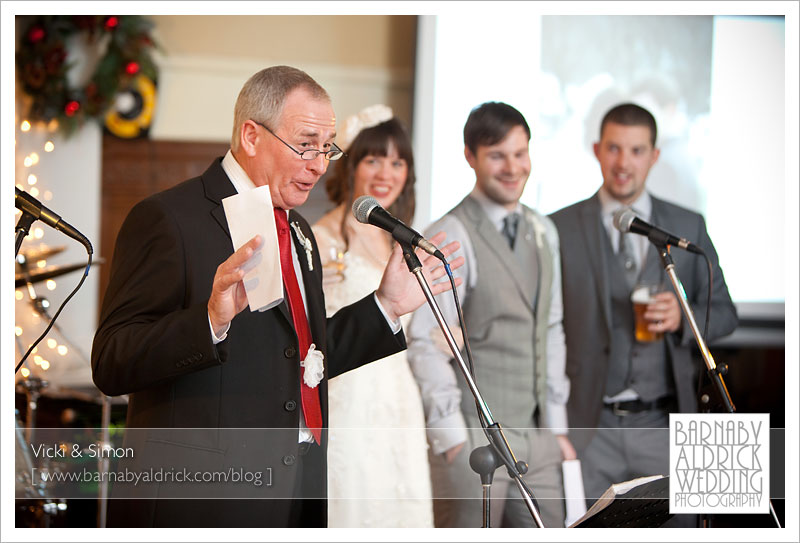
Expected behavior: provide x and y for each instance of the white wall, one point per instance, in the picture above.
(716, 85)
(186, 114)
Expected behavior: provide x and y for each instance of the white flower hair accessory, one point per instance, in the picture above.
(367, 118)
(313, 365)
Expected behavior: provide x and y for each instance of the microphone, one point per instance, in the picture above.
(30, 205)
(367, 210)
(625, 220)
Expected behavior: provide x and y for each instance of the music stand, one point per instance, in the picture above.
(640, 503)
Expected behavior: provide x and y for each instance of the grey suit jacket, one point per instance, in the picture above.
(587, 306)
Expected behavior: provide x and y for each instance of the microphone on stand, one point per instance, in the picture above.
(367, 210)
(30, 205)
(625, 220)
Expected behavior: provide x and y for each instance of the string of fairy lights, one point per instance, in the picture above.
(33, 143)
(71, 70)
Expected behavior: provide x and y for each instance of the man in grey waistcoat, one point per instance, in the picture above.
(624, 389)
(511, 299)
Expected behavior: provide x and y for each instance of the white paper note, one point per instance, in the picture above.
(573, 491)
(250, 213)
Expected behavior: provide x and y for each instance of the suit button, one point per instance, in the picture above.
(289, 352)
(290, 405)
(289, 460)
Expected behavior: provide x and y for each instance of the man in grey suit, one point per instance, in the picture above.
(623, 389)
(511, 298)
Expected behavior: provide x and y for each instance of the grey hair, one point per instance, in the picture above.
(263, 96)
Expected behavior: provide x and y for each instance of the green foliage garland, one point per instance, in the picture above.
(42, 65)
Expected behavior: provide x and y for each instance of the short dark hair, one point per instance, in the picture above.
(490, 123)
(631, 115)
(374, 141)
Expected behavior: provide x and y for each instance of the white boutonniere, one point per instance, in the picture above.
(306, 245)
(314, 368)
(540, 231)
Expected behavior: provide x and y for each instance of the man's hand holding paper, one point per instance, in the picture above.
(252, 274)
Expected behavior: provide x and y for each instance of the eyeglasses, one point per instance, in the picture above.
(308, 154)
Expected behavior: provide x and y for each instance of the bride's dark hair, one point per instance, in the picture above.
(374, 141)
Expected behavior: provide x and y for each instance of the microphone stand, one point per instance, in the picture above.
(103, 462)
(23, 228)
(484, 459)
(715, 373)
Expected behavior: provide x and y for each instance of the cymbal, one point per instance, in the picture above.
(87, 393)
(41, 252)
(43, 274)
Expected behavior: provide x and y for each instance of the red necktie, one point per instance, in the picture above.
(310, 396)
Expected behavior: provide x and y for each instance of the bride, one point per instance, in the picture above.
(378, 474)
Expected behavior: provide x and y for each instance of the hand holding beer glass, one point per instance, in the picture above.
(643, 295)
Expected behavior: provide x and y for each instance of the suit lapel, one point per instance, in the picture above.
(531, 236)
(315, 300)
(593, 231)
(312, 279)
(218, 186)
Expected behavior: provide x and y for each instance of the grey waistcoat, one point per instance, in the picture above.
(506, 316)
(643, 367)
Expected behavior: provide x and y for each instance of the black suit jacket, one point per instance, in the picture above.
(587, 305)
(205, 408)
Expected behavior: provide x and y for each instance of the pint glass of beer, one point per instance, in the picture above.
(642, 295)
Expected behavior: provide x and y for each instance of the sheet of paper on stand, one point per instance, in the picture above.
(638, 503)
(250, 213)
(573, 491)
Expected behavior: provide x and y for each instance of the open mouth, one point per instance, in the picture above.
(380, 191)
(304, 186)
(621, 177)
(509, 183)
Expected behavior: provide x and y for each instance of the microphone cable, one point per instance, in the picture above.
(53, 320)
(510, 467)
(710, 291)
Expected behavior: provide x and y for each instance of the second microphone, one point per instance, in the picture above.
(367, 210)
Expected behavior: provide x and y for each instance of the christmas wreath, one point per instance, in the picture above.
(123, 44)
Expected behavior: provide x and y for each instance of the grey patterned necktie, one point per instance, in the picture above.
(509, 231)
(627, 257)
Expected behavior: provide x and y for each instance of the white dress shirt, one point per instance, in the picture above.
(242, 183)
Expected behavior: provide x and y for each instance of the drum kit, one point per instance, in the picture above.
(38, 503)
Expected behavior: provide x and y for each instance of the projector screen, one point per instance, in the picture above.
(714, 83)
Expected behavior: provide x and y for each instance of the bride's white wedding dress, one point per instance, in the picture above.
(378, 473)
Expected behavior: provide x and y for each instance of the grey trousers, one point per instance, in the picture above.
(457, 489)
(627, 447)
(624, 448)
